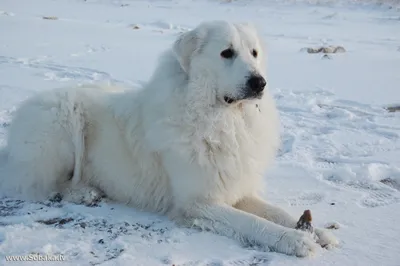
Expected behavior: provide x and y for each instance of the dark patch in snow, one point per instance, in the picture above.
(9, 207)
(392, 109)
(391, 182)
(324, 50)
(5, 124)
(56, 221)
(110, 255)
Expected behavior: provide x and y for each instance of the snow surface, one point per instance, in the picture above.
(340, 155)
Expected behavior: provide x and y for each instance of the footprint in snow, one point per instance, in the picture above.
(374, 194)
(257, 260)
(287, 144)
(306, 199)
(59, 72)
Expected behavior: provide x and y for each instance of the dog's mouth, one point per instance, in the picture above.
(253, 96)
(229, 100)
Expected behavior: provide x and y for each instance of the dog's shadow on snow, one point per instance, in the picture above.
(103, 217)
(104, 224)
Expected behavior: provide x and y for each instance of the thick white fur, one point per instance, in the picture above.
(174, 147)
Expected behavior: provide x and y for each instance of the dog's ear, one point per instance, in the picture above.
(186, 45)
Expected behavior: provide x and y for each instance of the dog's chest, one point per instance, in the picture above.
(236, 154)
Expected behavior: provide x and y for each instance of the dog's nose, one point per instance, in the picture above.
(256, 83)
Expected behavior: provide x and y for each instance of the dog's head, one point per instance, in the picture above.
(225, 58)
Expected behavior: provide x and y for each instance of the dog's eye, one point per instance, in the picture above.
(254, 53)
(228, 53)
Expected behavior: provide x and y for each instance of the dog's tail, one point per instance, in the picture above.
(79, 140)
(3, 159)
(78, 132)
(3, 167)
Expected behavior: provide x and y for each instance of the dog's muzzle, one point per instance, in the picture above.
(253, 89)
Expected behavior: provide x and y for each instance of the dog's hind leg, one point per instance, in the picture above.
(78, 193)
(39, 150)
(82, 194)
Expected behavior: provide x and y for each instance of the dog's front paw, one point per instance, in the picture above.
(294, 242)
(325, 238)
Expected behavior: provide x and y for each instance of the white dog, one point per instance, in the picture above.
(193, 144)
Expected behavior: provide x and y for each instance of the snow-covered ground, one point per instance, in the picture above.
(340, 155)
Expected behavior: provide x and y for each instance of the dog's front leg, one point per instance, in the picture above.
(226, 220)
(277, 215)
(195, 202)
(267, 211)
